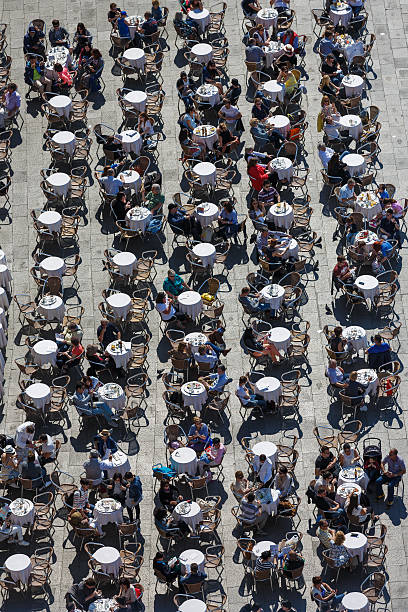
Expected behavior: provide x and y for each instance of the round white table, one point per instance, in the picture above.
(202, 52)
(284, 168)
(108, 510)
(368, 238)
(138, 218)
(195, 340)
(261, 547)
(193, 605)
(120, 353)
(60, 182)
(135, 57)
(267, 17)
(45, 351)
(280, 337)
(356, 544)
(344, 490)
(194, 394)
(201, 17)
(137, 99)
(39, 394)
(191, 555)
(341, 14)
(190, 303)
(271, 52)
(348, 476)
(4, 303)
(119, 463)
(352, 123)
(50, 219)
(184, 461)
(126, 262)
(353, 85)
(113, 395)
(22, 512)
(206, 135)
(270, 389)
(120, 304)
(135, 21)
(281, 214)
(206, 252)
(264, 448)
(273, 295)
(207, 173)
(191, 516)
(367, 376)
(3, 337)
(19, 567)
(208, 93)
(206, 213)
(109, 559)
(355, 163)
(62, 105)
(65, 140)
(274, 90)
(53, 266)
(356, 336)
(5, 277)
(280, 123)
(349, 47)
(131, 140)
(355, 602)
(102, 605)
(131, 179)
(368, 204)
(269, 499)
(51, 308)
(284, 241)
(3, 258)
(367, 285)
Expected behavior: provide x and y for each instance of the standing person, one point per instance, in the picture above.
(263, 470)
(134, 495)
(391, 476)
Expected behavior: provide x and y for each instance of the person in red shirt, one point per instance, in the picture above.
(257, 173)
(342, 271)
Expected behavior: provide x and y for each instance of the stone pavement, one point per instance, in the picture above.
(389, 92)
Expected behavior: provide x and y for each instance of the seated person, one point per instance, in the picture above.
(169, 495)
(389, 227)
(325, 534)
(326, 461)
(268, 193)
(215, 383)
(325, 154)
(337, 343)
(85, 404)
(265, 561)
(241, 486)
(206, 354)
(93, 470)
(355, 389)
(33, 41)
(198, 435)
(259, 110)
(234, 91)
(109, 182)
(194, 576)
(338, 551)
(186, 89)
(166, 523)
(97, 360)
(46, 449)
(113, 148)
(228, 221)
(263, 470)
(164, 305)
(383, 248)
(13, 533)
(327, 481)
(173, 284)
(336, 167)
(287, 77)
(121, 204)
(247, 395)
(349, 456)
(148, 26)
(252, 303)
(257, 211)
(154, 200)
(252, 513)
(107, 332)
(105, 444)
(189, 28)
(211, 456)
(327, 45)
(34, 75)
(58, 36)
(378, 353)
(259, 132)
(342, 270)
(210, 75)
(282, 482)
(257, 348)
(183, 351)
(353, 508)
(70, 358)
(85, 592)
(160, 565)
(9, 464)
(329, 508)
(30, 469)
(254, 52)
(187, 224)
(346, 193)
(257, 172)
(291, 562)
(226, 141)
(80, 519)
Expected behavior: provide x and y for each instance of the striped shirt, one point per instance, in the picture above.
(248, 511)
(80, 498)
(263, 565)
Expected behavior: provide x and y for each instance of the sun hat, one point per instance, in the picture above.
(9, 450)
(289, 49)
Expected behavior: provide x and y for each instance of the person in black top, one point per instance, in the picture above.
(355, 389)
(286, 606)
(332, 68)
(226, 141)
(389, 227)
(336, 342)
(326, 461)
(161, 566)
(85, 592)
(113, 13)
(169, 495)
(114, 147)
(233, 92)
(330, 508)
(292, 561)
(107, 333)
(259, 109)
(120, 204)
(336, 167)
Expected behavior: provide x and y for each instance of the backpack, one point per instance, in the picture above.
(162, 471)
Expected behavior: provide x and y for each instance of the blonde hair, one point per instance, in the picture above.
(253, 122)
(339, 538)
(325, 80)
(325, 100)
(197, 420)
(353, 375)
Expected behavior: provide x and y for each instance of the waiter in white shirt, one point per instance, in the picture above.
(263, 470)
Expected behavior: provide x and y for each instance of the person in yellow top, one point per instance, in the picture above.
(288, 78)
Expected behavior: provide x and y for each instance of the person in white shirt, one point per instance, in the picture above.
(346, 192)
(127, 591)
(164, 305)
(282, 482)
(46, 449)
(349, 457)
(13, 532)
(25, 435)
(331, 129)
(263, 470)
(229, 113)
(325, 154)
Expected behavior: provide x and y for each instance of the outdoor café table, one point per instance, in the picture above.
(39, 394)
(113, 395)
(131, 179)
(208, 93)
(120, 352)
(356, 336)
(344, 490)
(284, 168)
(206, 252)
(206, 213)
(188, 512)
(108, 510)
(56, 55)
(264, 448)
(368, 286)
(119, 463)
(135, 21)
(262, 546)
(5, 277)
(194, 394)
(273, 295)
(53, 266)
(126, 262)
(60, 182)
(191, 555)
(355, 163)
(349, 47)
(206, 172)
(269, 499)
(284, 240)
(138, 100)
(65, 140)
(51, 219)
(102, 605)
(44, 351)
(138, 218)
(51, 308)
(368, 204)
(274, 90)
(281, 213)
(353, 85)
(352, 123)
(202, 52)
(193, 605)
(280, 337)
(184, 461)
(340, 12)
(22, 512)
(280, 123)
(3, 337)
(367, 376)
(270, 389)
(206, 135)
(202, 18)
(190, 303)
(355, 602)
(356, 544)
(368, 237)
(271, 51)
(353, 475)
(62, 105)
(267, 17)
(195, 340)
(131, 140)
(19, 567)
(136, 57)
(120, 304)
(109, 559)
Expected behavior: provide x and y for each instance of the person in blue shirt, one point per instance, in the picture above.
(259, 110)
(156, 11)
(378, 353)
(328, 46)
(123, 25)
(33, 41)
(383, 248)
(179, 219)
(228, 221)
(215, 382)
(149, 25)
(193, 577)
(104, 444)
(382, 192)
(58, 36)
(83, 400)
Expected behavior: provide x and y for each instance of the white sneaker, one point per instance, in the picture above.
(24, 543)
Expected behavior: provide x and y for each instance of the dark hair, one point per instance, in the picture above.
(250, 497)
(55, 23)
(160, 297)
(90, 582)
(353, 503)
(316, 580)
(262, 457)
(194, 568)
(125, 582)
(321, 490)
(286, 603)
(81, 26)
(283, 469)
(43, 438)
(96, 53)
(84, 482)
(216, 440)
(121, 600)
(30, 429)
(58, 67)
(12, 86)
(79, 385)
(338, 330)
(158, 555)
(160, 513)
(30, 457)
(346, 446)
(326, 474)
(324, 449)
(265, 554)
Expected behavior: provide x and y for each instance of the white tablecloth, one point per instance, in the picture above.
(268, 17)
(273, 295)
(50, 219)
(368, 285)
(280, 123)
(208, 93)
(62, 105)
(270, 53)
(356, 544)
(191, 555)
(353, 125)
(109, 558)
(193, 605)
(125, 261)
(39, 394)
(56, 55)
(356, 336)
(206, 252)
(116, 403)
(195, 339)
(65, 140)
(138, 218)
(347, 476)
(19, 567)
(131, 179)
(208, 140)
(135, 21)
(368, 237)
(350, 48)
(281, 214)
(264, 448)
(22, 512)
(3, 337)
(201, 17)
(137, 99)
(102, 605)
(207, 173)
(274, 90)
(136, 57)
(194, 397)
(355, 602)
(54, 311)
(3, 320)
(53, 266)
(344, 490)
(104, 516)
(206, 213)
(353, 85)
(184, 461)
(269, 499)
(270, 389)
(284, 168)
(120, 304)
(131, 139)
(192, 518)
(60, 182)
(341, 15)
(260, 547)
(280, 337)
(5, 277)
(44, 351)
(202, 52)
(4, 303)
(120, 353)
(355, 163)
(368, 204)
(363, 377)
(119, 463)
(190, 303)
(284, 239)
